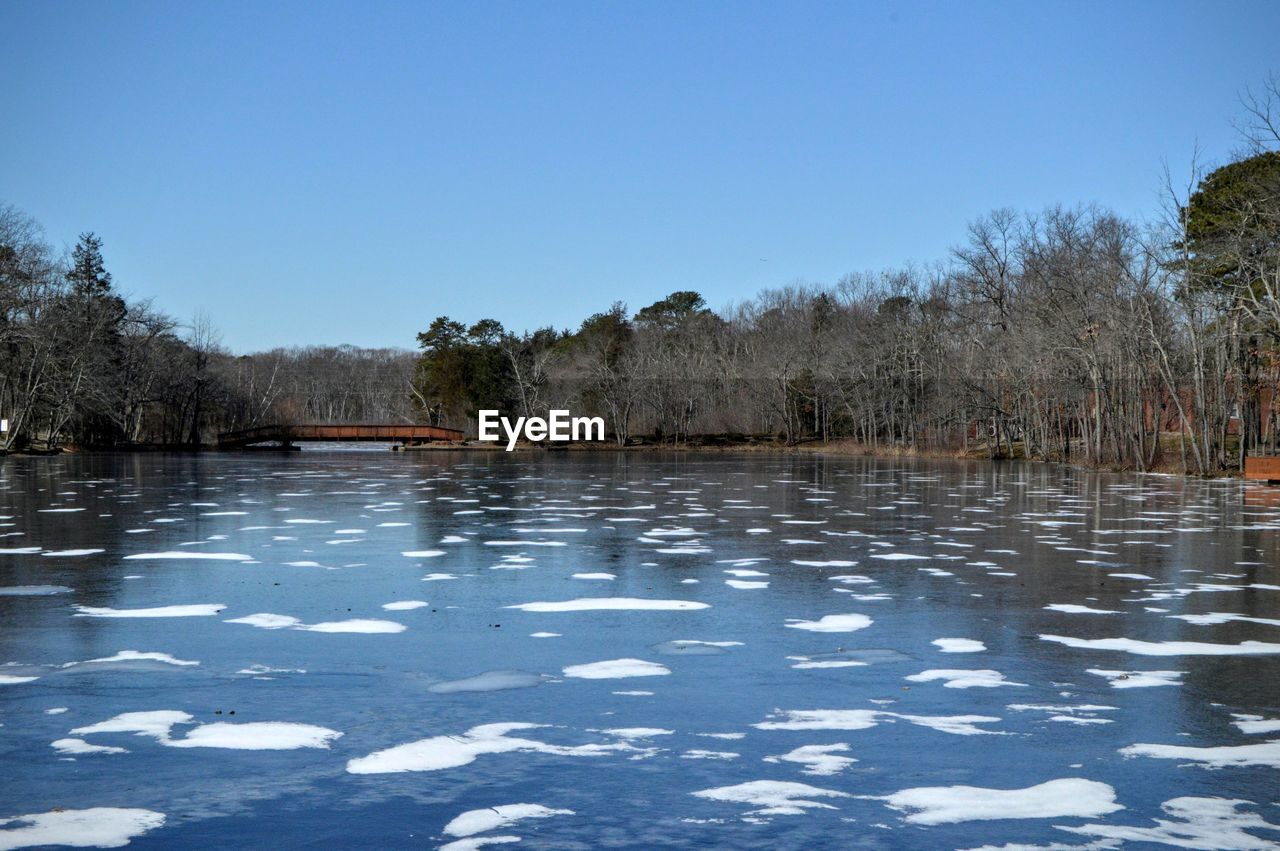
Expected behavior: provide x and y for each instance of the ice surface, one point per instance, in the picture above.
(455, 668)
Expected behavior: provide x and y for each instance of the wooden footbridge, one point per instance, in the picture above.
(287, 435)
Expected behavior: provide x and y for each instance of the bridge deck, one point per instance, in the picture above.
(316, 433)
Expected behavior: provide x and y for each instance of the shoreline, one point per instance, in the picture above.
(709, 443)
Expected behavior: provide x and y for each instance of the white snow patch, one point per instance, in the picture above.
(267, 620)
(590, 604)
(134, 656)
(1138, 679)
(773, 797)
(1055, 799)
(614, 669)
(863, 719)
(1211, 824)
(252, 735)
(476, 842)
(196, 610)
(368, 626)
(1168, 648)
(75, 747)
(958, 678)
(441, 752)
(959, 645)
(1255, 724)
(1263, 753)
(492, 818)
(188, 555)
(832, 623)
(1074, 609)
(96, 827)
(821, 760)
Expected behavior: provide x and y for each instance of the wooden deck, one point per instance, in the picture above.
(287, 435)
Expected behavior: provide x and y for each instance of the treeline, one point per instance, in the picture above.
(82, 365)
(1069, 334)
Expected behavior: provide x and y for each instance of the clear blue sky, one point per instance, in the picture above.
(327, 173)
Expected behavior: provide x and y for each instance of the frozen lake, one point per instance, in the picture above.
(360, 649)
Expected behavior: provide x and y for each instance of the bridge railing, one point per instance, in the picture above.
(325, 432)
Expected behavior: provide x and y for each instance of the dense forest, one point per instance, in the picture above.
(1069, 333)
(81, 365)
